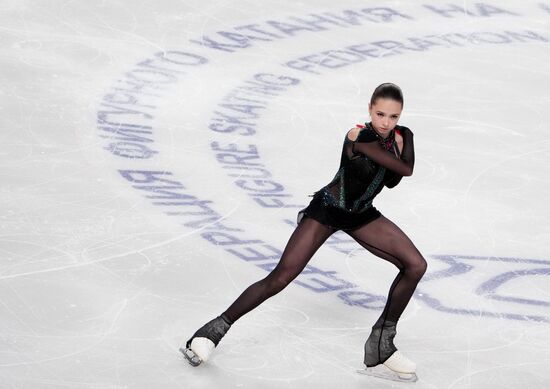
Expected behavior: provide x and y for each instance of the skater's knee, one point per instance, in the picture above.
(417, 268)
(280, 277)
(277, 282)
(420, 268)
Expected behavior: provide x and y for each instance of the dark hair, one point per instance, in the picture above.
(387, 90)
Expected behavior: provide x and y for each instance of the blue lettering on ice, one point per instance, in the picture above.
(478, 10)
(246, 157)
(488, 288)
(132, 102)
(127, 112)
(243, 163)
(237, 115)
(239, 110)
(459, 265)
(243, 37)
(356, 53)
(165, 191)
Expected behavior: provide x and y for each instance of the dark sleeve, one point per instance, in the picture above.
(366, 135)
(392, 179)
(403, 166)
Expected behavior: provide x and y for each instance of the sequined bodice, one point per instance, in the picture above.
(358, 179)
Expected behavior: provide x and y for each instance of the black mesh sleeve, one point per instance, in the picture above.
(402, 166)
(366, 135)
(392, 179)
(408, 146)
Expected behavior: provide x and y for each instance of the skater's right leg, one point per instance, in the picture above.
(308, 236)
(200, 345)
(306, 239)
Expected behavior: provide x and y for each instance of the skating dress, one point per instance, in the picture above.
(346, 202)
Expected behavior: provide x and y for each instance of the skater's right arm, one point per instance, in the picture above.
(403, 166)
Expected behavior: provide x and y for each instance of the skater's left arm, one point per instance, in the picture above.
(395, 178)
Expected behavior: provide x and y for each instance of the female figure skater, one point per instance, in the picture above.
(375, 155)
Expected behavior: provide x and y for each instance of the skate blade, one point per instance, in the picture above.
(383, 372)
(191, 357)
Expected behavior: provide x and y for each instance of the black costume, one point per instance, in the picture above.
(367, 164)
(346, 202)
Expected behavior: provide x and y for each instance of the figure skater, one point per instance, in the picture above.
(375, 155)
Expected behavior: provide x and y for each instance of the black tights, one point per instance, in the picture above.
(381, 237)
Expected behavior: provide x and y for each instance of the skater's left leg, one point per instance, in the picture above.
(386, 240)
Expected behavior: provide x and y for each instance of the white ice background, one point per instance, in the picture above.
(100, 286)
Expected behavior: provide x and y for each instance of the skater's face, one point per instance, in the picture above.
(384, 114)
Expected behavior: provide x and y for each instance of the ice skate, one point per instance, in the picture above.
(383, 360)
(198, 349)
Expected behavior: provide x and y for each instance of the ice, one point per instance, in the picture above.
(237, 109)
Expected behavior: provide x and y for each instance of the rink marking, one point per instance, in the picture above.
(127, 113)
(459, 266)
(244, 37)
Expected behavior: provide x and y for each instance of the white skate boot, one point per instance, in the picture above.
(383, 360)
(202, 343)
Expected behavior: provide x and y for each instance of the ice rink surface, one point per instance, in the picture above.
(155, 154)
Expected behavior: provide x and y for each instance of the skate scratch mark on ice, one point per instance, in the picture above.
(298, 342)
(228, 274)
(122, 281)
(119, 32)
(103, 335)
(490, 167)
(86, 252)
(470, 122)
(267, 363)
(6, 306)
(206, 27)
(44, 248)
(159, 244)
(518, 340)
(276, 322)
(317, 353)
(500, 367)
(349, 257)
